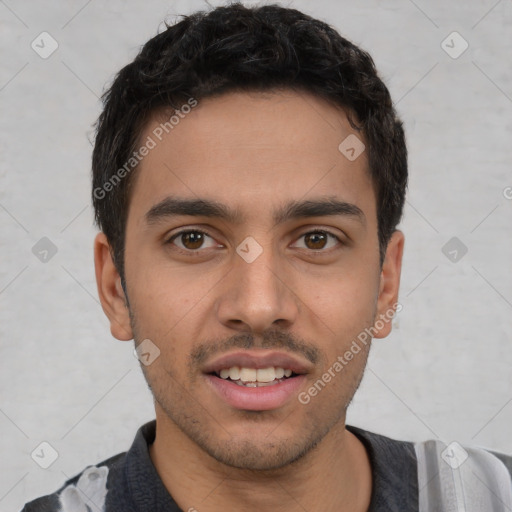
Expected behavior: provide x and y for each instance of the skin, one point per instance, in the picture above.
(253, 152)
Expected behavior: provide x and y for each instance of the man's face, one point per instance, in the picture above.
(255, 291)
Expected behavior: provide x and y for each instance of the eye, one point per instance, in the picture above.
(318, 240)
(191, 240)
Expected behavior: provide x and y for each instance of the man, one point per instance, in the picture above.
(249, 173)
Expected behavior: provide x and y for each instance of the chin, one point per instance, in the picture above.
(266, 452)
(257, 456)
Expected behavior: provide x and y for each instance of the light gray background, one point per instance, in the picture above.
(445, 372)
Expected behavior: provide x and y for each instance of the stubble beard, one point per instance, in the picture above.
(270, 454)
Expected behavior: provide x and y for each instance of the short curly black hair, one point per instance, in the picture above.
(237, 48)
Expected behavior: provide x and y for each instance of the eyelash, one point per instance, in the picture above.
(197, 251)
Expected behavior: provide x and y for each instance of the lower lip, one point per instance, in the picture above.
(264, 398)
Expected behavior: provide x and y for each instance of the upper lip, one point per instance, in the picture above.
(258, 359)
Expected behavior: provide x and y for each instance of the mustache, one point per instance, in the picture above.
(271, 339)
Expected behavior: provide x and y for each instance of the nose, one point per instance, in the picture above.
(258, 295)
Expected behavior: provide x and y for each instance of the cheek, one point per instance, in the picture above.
(344, 302)
(163, 292)
(169, 308)
(160, 308)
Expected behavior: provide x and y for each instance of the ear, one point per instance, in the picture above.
(389, 285)
(110, 291)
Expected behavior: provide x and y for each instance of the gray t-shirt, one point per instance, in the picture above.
(128, 482)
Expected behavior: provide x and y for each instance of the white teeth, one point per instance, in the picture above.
(234, 373)
(252, 375)
(265, 374)
(247, 374)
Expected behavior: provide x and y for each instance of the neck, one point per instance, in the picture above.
(335, 476)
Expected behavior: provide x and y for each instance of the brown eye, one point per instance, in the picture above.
(318, 240)
(190, 240)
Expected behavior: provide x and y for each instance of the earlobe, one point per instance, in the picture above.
(389, 285)
(111, 293)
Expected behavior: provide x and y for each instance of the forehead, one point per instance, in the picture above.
(251, 150)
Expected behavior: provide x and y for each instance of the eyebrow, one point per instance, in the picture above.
(175, 206)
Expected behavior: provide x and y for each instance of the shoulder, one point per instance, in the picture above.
(88, 488)
(455, 456)
(106, 485)
(408, 474)
(452, 474)
(504, 458)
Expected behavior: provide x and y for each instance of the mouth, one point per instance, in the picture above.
(256, 380)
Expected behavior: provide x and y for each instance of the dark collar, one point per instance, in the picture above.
(394, 472)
